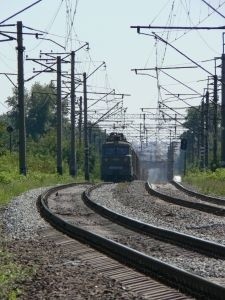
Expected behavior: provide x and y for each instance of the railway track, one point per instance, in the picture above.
(186, 241)
(216, 200)
(68, 220)
(141, 285)
(196, 201)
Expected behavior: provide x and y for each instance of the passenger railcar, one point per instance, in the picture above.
(119, 160)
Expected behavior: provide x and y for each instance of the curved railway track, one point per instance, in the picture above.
(186, 241)
(64, 220)
(196, 201)
(216, 200)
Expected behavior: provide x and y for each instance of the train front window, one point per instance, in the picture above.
(122, 150)
(114, 151)
(109, 151)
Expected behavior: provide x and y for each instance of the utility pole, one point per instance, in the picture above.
(175, 126)
(215, 100)
(146, 136)
(144, 123)
(59, 118)
(170, 161)
(90, 141)
(207, 129)
(86, 150)
(80, 120)
(223, 113)
(202, 143)
(72, 140)
(47, 68)
(22, 128)
(141, 136)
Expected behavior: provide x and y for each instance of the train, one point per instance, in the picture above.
(119, 160)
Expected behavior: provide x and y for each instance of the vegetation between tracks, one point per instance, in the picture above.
(207, 182)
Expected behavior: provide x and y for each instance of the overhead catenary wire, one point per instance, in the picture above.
(183, 54)
(72, 18)
(185, 85)
(201, 21)
(200, 35)
(213, 8)
(48, 28)
(19, 12)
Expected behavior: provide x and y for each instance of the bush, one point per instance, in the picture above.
(207, 182)
(41, 172)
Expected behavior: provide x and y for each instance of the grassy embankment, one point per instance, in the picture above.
(207, 182)
(41, 172)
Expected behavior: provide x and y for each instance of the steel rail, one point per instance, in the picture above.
(175, 277)
(181, 202)
(186, 241)
(212, 199)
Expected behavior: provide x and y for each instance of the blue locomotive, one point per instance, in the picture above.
(119, 160)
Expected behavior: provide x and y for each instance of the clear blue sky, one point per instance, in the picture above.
(106, 26)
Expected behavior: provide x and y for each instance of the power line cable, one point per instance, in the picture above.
(48, 28)
(19, 12)
(160, 11)
(181, 82)
(191, 23)
(214, 9)
(168, 32)
(201, 21)
(161, 39)
(71, 22)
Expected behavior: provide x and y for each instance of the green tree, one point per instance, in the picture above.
(41, 122)
(41, 112)
(193, 134)
(13, 113)
(193, 120)
(40, 109)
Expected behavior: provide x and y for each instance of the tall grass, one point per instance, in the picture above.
(41, 172)
(207, 182)
(11, 273)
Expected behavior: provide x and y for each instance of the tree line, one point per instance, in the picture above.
(41, 121)
(203, 142)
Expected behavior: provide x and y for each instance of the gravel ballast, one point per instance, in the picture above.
(53, 273)
(132, 200)
(22, 224)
